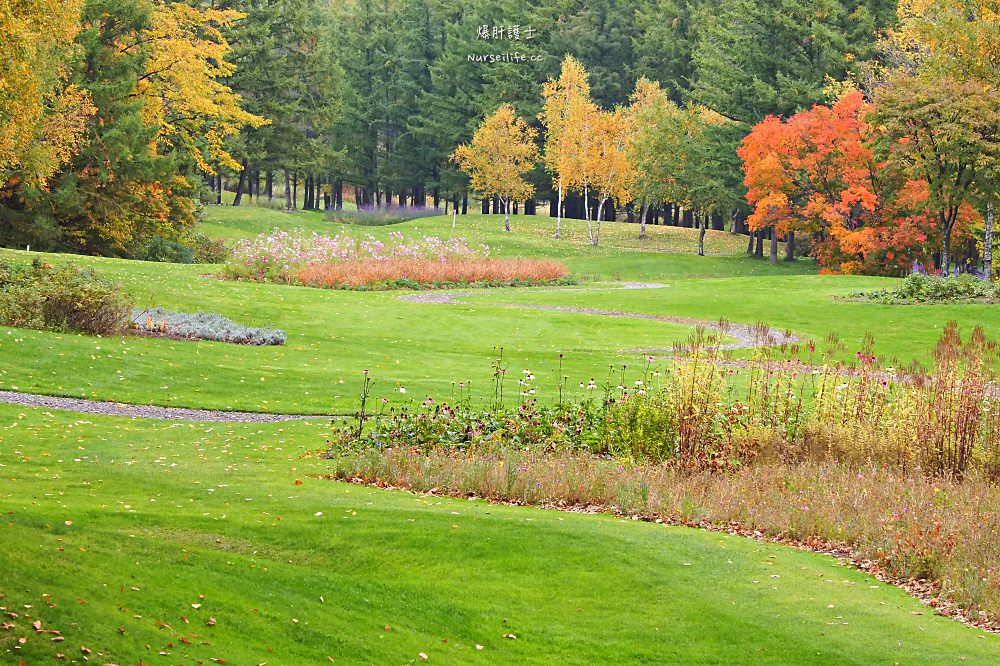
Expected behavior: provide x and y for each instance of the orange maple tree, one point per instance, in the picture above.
(816, 173)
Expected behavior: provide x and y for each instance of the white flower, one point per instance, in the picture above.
(402, 390)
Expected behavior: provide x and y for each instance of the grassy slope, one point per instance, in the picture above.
(425, 348)
(165, 516)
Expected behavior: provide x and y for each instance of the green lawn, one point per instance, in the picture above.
(428, 348)
(129, 536)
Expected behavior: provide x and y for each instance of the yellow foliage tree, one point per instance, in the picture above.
(502, 150)
(41, 117)
(958, 37)
(566, 105)
(185, 100)
(608, 165)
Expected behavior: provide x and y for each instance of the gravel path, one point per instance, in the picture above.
(144, 411)
(746, 337)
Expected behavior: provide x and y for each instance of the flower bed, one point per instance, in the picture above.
(280, 255)
(413, 273)
(344, 262)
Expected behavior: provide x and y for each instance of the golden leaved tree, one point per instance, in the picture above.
(609, 167)
(567, 103)
(502, 150)
(41, 117)
(185, 99)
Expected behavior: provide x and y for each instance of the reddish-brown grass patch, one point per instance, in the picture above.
(429, 271)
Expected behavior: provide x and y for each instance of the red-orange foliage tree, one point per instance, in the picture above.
(816, 173)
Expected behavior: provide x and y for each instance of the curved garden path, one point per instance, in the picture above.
(106, 408)
(745, 337)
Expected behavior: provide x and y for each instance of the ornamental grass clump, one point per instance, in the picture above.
(369, 216)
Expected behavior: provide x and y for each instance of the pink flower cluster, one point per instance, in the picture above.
(281, 254)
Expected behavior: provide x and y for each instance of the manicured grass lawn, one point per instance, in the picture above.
(113, 531)
(429, 348)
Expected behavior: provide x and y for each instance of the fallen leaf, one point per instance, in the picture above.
(423, 656)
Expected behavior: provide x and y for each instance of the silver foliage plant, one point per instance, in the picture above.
(204, 326)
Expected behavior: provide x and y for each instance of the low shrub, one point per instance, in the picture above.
(411, 273)
(164, 250)
(63, 298)
(208, 250)
(919, 288)
(196, 249)
(202, 326)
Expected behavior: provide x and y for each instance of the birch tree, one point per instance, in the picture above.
(502, 150)
(566, 99)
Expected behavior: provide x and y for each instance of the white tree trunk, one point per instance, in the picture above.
(506, 215)
(600, 214)
(586, 213)
(642, 221)
(559, 210)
